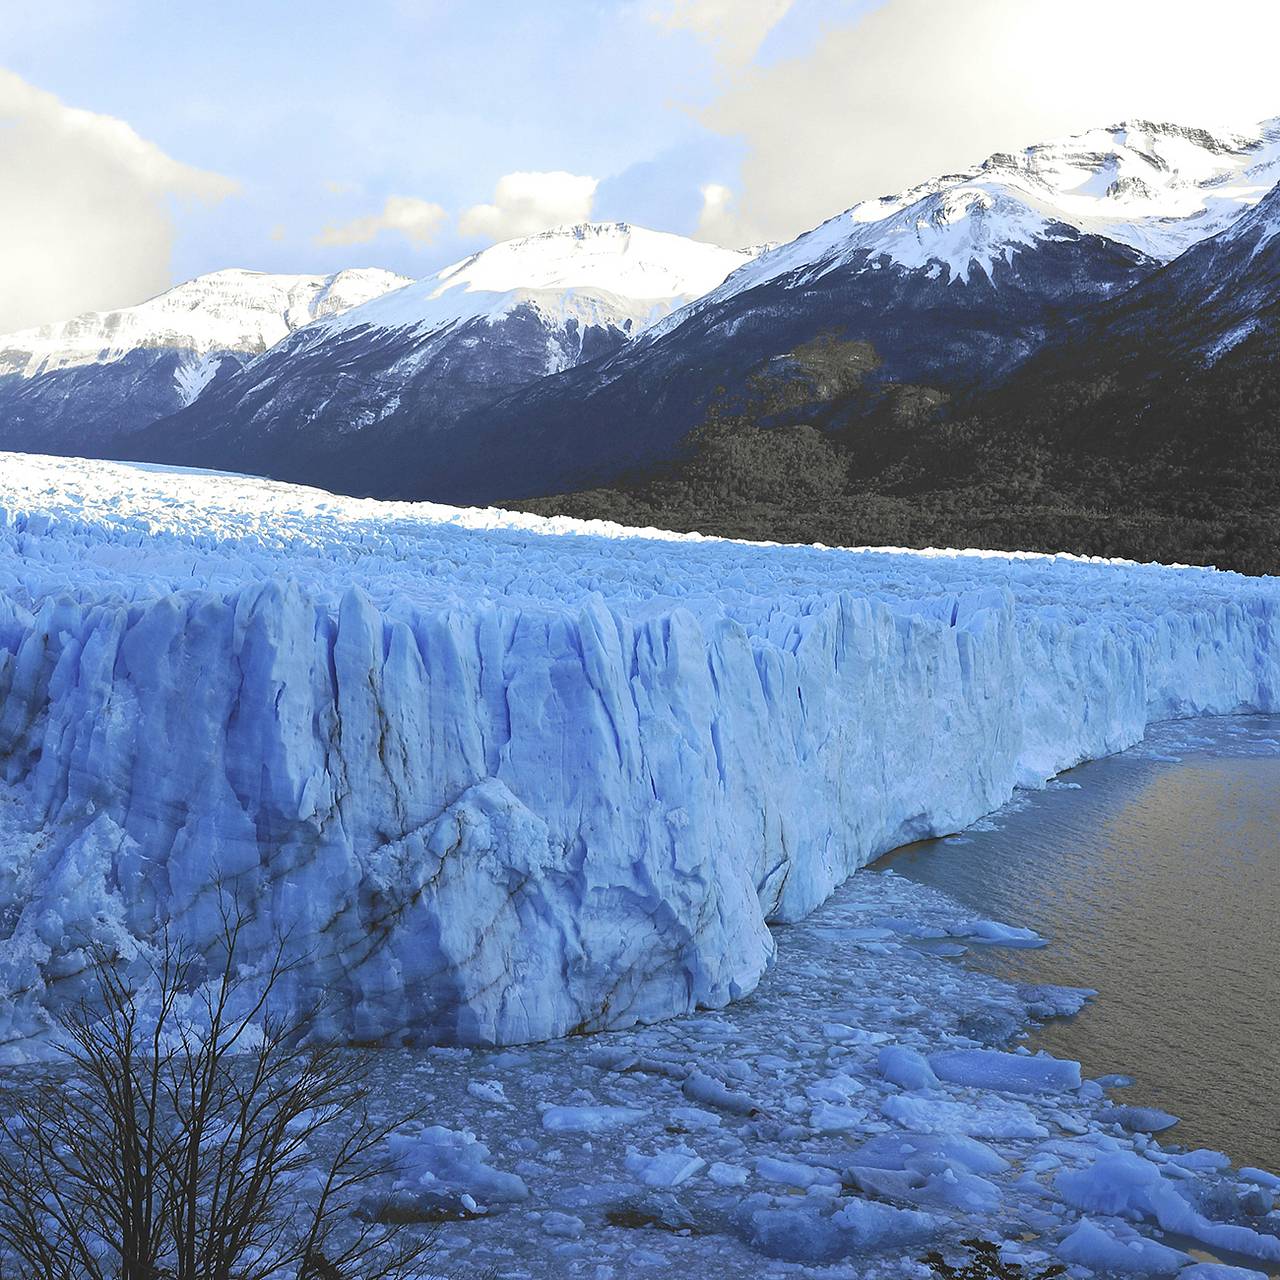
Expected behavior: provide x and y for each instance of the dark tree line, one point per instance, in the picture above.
(1089, 450)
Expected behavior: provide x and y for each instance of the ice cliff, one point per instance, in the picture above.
(503, 778)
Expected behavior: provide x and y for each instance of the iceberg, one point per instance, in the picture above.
(500, 778)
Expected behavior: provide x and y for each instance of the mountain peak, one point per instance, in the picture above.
(640, 272)
(232, 309)
(1157, 186)
(958, 225)
(583, 231)
(1154, 187)
(969, 226)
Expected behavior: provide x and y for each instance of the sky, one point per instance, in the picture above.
(143, 142)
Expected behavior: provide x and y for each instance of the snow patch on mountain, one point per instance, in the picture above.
(1155, 188)
(236, 311)
(195, 373)
(592, 273)
(500, 778)
(1230, 340)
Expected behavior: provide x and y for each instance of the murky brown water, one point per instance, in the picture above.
(1158, 883)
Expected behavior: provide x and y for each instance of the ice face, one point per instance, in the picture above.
(503, 778)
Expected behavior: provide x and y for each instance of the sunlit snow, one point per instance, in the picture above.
(232, 310)
(595, 273)
(1157, 188)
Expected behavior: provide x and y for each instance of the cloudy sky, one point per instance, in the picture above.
(145, 141)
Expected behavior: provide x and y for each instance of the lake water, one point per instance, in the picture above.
(1155, 875)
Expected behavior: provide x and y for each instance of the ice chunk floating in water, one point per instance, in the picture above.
(505, 778)
(1006, 1072)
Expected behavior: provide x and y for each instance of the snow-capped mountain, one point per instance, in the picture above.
(241, 311)
(563, 359)
(1181, 371)
(1157, 188)
(1191, 312)
(1230, 284)
(952, 283)
(78, 384)
(590, 271)
(330, 400)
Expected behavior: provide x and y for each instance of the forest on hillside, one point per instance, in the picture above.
(1105, 454)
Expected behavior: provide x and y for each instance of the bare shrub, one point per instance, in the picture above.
(192, 1134)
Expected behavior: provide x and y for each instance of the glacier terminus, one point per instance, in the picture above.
(500, 778)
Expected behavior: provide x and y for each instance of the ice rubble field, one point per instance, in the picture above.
(840, 1122)
(508, 778)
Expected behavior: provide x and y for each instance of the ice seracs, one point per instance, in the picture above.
(502, 778)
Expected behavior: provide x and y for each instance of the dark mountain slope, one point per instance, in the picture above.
(332, 404)
(320, 408)
(1150, 428)
(634, 410)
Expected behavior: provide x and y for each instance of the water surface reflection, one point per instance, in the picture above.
(1156, 877)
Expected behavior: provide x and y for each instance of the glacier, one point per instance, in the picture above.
(500, 778)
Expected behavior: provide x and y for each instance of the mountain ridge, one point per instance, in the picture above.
(594, 352)
(80, 385)
(322, 403)
(953, 282)
(233, 309)
(1146, 428)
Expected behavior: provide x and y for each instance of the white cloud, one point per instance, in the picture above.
(417, 220)
(86, 220)
(922, 87)
(734, 28)
(717, 221)
(526, 203)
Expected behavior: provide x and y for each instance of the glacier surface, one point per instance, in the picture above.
(502, 778)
